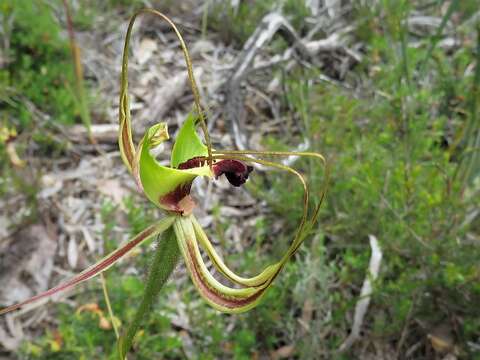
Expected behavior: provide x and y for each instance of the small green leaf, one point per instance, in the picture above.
(187, 144)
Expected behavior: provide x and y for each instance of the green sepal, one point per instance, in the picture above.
(187, 144)
(158, 180)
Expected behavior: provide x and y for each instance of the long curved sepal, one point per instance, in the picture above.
(125, 141)
(217, 261)
(101, 265)
(223, 298)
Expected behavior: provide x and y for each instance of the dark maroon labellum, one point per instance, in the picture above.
(180, 201)
(235, 171)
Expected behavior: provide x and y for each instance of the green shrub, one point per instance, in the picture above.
(39, 65)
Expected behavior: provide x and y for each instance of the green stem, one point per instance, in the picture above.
(473, 128)
(165, 260)
(438, 34)
(79, 92)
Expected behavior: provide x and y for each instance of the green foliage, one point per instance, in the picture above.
(139, 216)
(394, 177)
(39, 63)
(237, 24)
(85, 12)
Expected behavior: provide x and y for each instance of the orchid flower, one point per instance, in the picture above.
(168, 187)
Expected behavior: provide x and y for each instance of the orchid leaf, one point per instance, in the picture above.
(101, 265)
(188, 144)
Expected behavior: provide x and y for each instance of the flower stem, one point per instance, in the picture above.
(164, 261)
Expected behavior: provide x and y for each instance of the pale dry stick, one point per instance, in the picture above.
(163, 99)
(269, 26)
(365, 294)
(9, 342)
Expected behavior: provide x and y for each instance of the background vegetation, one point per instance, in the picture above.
(401, 130)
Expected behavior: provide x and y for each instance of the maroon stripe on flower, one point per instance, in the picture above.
(215, 296)
(126, 145)
(178, 200)
(112, 258)
(193, 163)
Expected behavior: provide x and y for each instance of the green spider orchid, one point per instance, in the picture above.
(169, 189)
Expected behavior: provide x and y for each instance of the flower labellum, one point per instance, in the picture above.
(235, 171)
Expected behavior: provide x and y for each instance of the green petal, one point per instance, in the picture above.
(157, 180)
(187, 144)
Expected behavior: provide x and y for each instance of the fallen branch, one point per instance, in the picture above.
(365, 294)
(102, 133)
(161, 101)
(270, 25)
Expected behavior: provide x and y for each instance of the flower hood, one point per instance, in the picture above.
(169, 187)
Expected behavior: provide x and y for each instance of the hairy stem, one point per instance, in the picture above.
(164, 261)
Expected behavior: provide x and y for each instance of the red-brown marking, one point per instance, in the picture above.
(214, 295)
(177, 200)
(193, 163)
(126, 145)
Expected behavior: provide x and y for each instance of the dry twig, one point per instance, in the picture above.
(365, 294)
